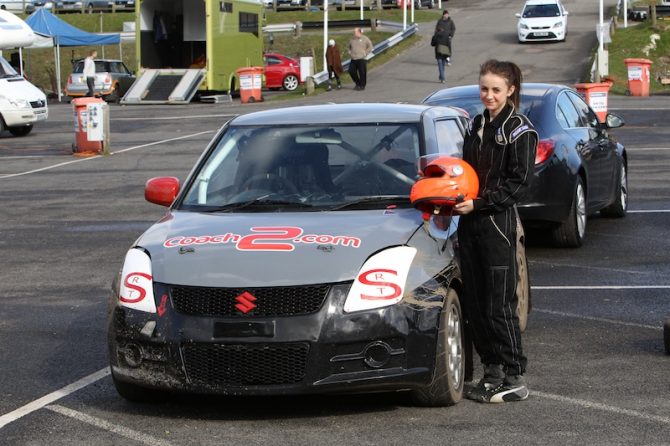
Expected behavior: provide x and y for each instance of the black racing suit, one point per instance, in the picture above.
(502, 152)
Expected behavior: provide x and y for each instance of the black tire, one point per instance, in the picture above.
(138, 394)
(290, 82)
(570, 234)
(22, 130)
(523, 280)
(619, 206)
(446, 387)
(666, 336)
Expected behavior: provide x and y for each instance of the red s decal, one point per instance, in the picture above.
(163, 306)
(249, 242)
(131, 282)
(378, 280)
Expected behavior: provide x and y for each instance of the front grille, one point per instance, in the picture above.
(37, 104)
(270, 301)
(245, 364)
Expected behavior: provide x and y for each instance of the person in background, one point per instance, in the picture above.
(500, 144)
(359, 48)
(441, 42)
(334, 62)
(89, 72)
(449, 28)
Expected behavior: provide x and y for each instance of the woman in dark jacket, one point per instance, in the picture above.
(334, 62)
(500, 145)
(441, 42)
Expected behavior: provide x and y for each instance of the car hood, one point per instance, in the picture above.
(19, 88)
(536, 22)
(243, 250)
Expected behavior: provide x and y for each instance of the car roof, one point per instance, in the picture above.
(527, 89)
(542, 2)
(355, 113)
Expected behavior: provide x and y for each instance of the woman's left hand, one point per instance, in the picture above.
(464, 208)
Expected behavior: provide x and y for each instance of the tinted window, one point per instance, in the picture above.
(570, 116)
(550, 10)
(587, 116)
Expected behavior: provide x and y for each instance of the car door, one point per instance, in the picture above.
(273, 72)
(585, 143)
(605, 151)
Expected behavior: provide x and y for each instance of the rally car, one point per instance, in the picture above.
(291, 261)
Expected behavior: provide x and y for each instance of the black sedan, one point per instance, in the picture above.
(580, 168)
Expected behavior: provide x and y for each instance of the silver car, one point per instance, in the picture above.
(112, 79)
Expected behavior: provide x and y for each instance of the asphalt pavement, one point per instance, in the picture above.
(597, 370)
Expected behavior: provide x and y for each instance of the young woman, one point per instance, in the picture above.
(500, 145)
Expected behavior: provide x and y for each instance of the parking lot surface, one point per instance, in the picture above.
(597, 369)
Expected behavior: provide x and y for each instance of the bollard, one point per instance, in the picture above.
(309, 85)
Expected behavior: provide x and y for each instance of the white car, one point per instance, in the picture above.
(542, 20)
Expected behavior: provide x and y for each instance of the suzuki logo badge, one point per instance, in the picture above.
(245, 302)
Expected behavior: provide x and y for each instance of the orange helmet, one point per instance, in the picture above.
(445, 182)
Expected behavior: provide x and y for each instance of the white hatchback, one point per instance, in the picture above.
(542, 20)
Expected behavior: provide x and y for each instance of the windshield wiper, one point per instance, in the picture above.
(367, 200)
(259, 201)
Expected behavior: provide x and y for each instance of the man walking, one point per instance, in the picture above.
(448, 28)
(359, 48)
(89, 72)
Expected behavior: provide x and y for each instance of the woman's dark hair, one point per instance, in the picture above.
(508, 71)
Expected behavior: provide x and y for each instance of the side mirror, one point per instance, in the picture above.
(613, 121)
(161, 190)
(517, 15)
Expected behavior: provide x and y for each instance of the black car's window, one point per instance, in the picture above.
(586, 115)
(321, 166)
(570, 117)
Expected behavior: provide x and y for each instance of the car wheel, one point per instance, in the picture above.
(619, 206)
(138, 394)
(446, 387)
(290, 82)
(666, 336)
(2, 125)
(21, 130)
(570, 234)
(523, 282)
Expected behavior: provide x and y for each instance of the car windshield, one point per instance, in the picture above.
(6, 70)
(309, 168)
(550, 10)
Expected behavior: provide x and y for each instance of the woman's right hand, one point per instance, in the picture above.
(464, 208)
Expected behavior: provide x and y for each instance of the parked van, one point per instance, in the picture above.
(18, 6)
(21, 103)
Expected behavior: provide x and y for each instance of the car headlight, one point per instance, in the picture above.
(523, 26)
(381, 281)
(558, 25)
(19, 103)
(136, 289)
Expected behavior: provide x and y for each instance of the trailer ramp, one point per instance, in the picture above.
(164, 86)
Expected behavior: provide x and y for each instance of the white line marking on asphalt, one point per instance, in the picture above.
(596, 319)
(12, 175)
(603, 407)
(106, 425)
(649, 211)
(602, 287)
(597, 268)
(53, 396)
(168, 118)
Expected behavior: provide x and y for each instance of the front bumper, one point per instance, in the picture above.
(15, 117)
(531, 35)
(391, 348)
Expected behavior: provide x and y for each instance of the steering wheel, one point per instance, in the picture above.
(273, 182)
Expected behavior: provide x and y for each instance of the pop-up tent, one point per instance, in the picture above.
(62, 33)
